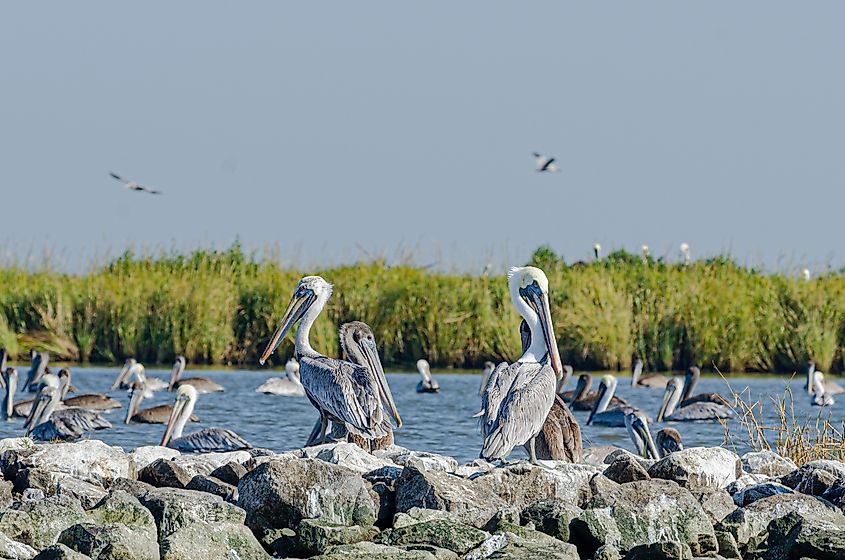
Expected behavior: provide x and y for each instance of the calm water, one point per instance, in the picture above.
(439, 423)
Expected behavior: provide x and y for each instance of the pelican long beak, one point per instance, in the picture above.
(174, 374)
(297, 307)
(36, 412)
(664, 403)
(171, 422)
(599, 396)
(135, 399)
(539, 300)
(644, 433)
(121, 377)
(374, 365)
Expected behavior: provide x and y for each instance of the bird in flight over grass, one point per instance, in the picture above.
(545, 164)
(132, 185)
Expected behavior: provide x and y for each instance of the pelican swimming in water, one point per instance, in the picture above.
(519, 396)
(705, 410)
(602, 413)
(10, 382)
(201, 384)
(2, 367)
(690, 381)
(156, 415)
(652, 381)
(341, 391)
(584, 399)
(22, 409)
(48, 422)
(427, 384)
(485, 376)
(820, 397)
(287, 386)
(122, 380)
(139, 372)
(37, 370)
(564, 379)
(830, 387)
(669, 441)
(94, 401)
(207, 440)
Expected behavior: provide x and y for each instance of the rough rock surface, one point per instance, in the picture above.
(217, 541)
(164, 473)
(113, 541)
(699, 468)
(625, 468)
(442, 533)
(13, 550)
(205, 463)
(86, 493)
(88, 460)
(143, 456)
(717, 504)
(230, 473)
(551, 517)
(202, 483)
(60, 552)
(45, 520)
(768, 463)
(174, 509)
(522, 485)
(751, 494)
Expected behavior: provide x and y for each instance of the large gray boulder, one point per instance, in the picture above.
(39, 523)
(816, 477)
(768, 463)
(205, 463)
(315, 536)
(643, 512)
(164, 473)
(174, 509)
(751, 494)
(699, 469)
(346, 455)
(282, 492)
(143, 456)
(60, 552)
(793, 536)
(13, 550)
(217, 541)
(230, 473)
(110, 542)
(365, 550)
(523, 542)
(441, 533)
(522, 485)
(89, 460)
(87, 493)
(551, 517)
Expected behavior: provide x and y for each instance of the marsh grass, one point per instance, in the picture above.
(222, 306)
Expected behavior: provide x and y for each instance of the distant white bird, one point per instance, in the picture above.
(820, 397)
(545, 164)
(646, 252)
(132, 185)
(685, 252)
(597, 251)
(806, 274)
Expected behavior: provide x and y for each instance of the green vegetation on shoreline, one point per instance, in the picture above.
(221, 307)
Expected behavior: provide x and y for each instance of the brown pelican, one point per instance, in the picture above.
(564, 379)
(207, 440)
(156, 415)
(36, 371)
(133, 186)
(358, 345)
(22, 409)
(653, 381)
(341, 391)
(47, 422)
(560, 437)
(604, 415)
(427, 384)
(519, 396)
(669, 441)
(93, 401)
(584, 399)
(830, 387)
(545, 164)
(670, 411)
(150, 384)
(485, 376)
(820, 397)
(287, 386)
(122, 381)
(201, 384)
(690, 381)
(637, 425)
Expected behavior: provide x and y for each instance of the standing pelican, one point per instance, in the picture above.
(427, 384)
(820, 397)
(669, 441)
(653, 381)
(670, 411)
(36, 371)
(341, 391)
(156, 415)
(207, 440)
(830, 387)
(485, 376)
(519, 396)
(637, 425)
(201, 384)
(584, 399)
(94, 401)
(601, 414)
(287, 386)
(10, 380)
(48, 423)
(690, 381)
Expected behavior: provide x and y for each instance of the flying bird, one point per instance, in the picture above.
(545, 164)
(132, 185)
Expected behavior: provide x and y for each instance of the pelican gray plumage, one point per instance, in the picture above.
(37, 370)
(820, 397)
(485, 376)
(23, 409)
(201, 384)
(341, 391)
(669, 441)
(286, 386)
(670, 411)
(636, 423)
(545, 164)
(602, 413)
(690, 381)
(207, 440)
(830, 387)
(48, 422)
(151, 384)
(93, 401)
(583, 399)
(134, 186)
(519, 396)
(652, 381)
(427, 384)
(155, 415)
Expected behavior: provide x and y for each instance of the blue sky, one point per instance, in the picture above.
(338, 130)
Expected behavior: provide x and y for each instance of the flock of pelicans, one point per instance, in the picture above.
(522, 404)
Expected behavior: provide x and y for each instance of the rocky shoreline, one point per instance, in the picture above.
(89, 500)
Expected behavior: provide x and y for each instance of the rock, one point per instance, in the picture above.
(599, 484)
(17, 444)
(143, 456)
(796, 537)
(121, 507)
(86, 493)
(768, 463)
(315, 536)
(666, 550)
(367, 551)
(60, 552)
(717, 504)
(618, 452)
(217, 541)
(756, 492)
(89, 460)
(728, 546)
(133, 487)
(525, 543)
(282, 492)
(641, 512)
(383, 483)
(474, 469)
(164, 473)
(230, 473)
(47, 518)
(551, 518)
(36, 479)
(836, 494)
(202, 483)
(625, 469)
(745, 481)
(607, 552)
(32, 495)
(113, 541)
(13, 550)
(425, 460)
(205, 463)
(490, 545)
(522, 484)
(418, 515)
(699, 469)
(470, 502)
(352, 457)
(813, 479)
(751, 521)
(442, 533)
(5, 493)
(174, 509)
